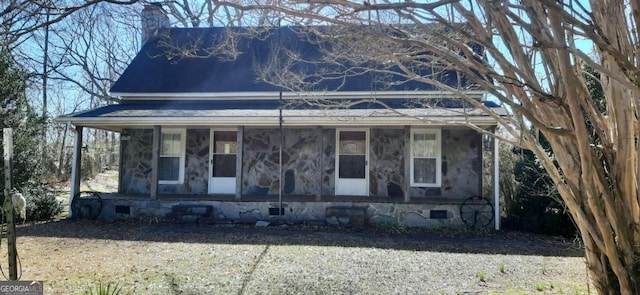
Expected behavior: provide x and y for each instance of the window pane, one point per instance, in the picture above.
(170, 144)
(424, 145)
(352, 166)
(353, 135)
(424, 170)
(353, 142)
(225, 142)
(224, 166)
(169, 168)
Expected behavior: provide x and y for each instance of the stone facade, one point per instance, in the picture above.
(328, 157)
(414, 215)
(301, 154)
(386, 162)
(135, 169)
(308, 159)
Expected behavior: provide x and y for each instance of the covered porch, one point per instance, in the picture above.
(301, 150)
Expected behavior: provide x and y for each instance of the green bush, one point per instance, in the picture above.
(42, 204)
(27, 126)
(536, 206)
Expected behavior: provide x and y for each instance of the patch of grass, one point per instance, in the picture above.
(509, 291)
(113, 177)
(544, 270)
(100, 289)
(482, 276)
(501, 267)
(392, 226)
(540, 287)
(218, 260)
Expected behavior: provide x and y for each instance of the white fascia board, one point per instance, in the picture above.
(274, 121)
(293, 95)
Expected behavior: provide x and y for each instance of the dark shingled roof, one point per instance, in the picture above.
(160, 68)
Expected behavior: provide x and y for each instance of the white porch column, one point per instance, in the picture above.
(319, 147)
(155, 160)
(75, 167)
(239, 160)
(407, 164)
(496, 182)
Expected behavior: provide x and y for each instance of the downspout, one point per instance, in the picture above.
(280, 158)
(496, 180)
(281, 188)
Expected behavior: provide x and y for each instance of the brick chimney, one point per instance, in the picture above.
(154, 18)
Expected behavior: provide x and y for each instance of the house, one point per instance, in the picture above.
(205, 135)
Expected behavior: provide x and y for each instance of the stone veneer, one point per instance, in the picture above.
(386, 162)
(135, 168)
(308, 163)
(414, 215)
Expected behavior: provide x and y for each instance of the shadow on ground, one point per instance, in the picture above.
(450, 241)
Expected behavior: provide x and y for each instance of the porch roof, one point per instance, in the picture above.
(267, 113)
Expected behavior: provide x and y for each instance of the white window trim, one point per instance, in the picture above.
(438, 134)
(183, 142)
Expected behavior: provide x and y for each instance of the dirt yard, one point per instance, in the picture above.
(144, 258)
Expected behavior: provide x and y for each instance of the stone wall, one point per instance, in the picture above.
(135, 170)
(308, 163)
(386, 162)
(328, 162)
(301, 161)
(414, 215)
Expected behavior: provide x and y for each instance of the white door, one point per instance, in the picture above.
(352, 162)
(222, 165)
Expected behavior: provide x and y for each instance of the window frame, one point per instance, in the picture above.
(438, 157)
(182, 154)
(213, 153)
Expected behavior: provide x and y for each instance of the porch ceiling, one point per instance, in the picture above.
(117, 117)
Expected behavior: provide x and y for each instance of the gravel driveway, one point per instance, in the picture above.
(153, 258)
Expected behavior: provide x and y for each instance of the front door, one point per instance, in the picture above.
(352, 162)
(224, 143)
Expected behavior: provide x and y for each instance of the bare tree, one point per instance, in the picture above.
(37, 33)
(94, 49)
(530, 60)
(21, 18)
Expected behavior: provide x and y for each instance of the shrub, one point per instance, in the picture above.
(42, 204)
(101, 289)
(536, 206)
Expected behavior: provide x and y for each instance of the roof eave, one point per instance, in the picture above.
(273, 121)
(270, 95)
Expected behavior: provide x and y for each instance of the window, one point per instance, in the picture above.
(172, 149)
(426, 157)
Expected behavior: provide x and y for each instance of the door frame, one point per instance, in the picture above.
(350, 182)
(230, 181)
